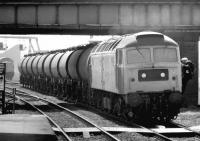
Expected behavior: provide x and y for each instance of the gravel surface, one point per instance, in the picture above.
(61, 117)
(51, 98)
(92, 138)
(98, 119)
(65, 120)
(133, 137)
(189, 116)
(103, 122)
(20, 108)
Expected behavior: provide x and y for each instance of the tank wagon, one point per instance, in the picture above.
(134, 76)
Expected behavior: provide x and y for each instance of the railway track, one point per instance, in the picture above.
(195, 133)
(146, 128)
(21, 96)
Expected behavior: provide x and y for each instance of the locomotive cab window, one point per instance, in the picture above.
(140, 55)
(165, 55)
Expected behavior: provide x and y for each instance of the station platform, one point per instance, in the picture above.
(22, 127)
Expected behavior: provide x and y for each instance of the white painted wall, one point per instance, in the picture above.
(14, 54)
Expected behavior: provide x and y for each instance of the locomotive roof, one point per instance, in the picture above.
(146, 38)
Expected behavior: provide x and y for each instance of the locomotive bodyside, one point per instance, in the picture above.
(103, 72)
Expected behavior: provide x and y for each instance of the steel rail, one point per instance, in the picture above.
(50, 119)
(71, 112)
(135, 124)
(186, 128)
(159, 135)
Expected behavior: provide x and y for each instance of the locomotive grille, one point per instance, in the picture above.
(153, 75)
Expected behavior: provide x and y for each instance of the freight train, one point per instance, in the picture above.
(134, 76)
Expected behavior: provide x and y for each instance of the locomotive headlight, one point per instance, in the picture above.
(144, 75)
(162, 74)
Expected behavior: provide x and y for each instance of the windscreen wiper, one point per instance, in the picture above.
(140, 53)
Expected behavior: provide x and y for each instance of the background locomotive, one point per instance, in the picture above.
(135, 76)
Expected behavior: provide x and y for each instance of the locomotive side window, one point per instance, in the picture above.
(138, 56)
(165, 55)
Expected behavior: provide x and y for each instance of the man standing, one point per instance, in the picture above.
(187, 72)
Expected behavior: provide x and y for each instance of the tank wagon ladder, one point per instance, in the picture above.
(23, 94)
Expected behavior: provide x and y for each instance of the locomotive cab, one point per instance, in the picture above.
(152, 69)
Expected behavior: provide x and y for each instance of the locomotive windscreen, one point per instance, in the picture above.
(141, 55)
(165, 55)
(159, 53)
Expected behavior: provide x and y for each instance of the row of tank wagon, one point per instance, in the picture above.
(57, 72)
(97, 73)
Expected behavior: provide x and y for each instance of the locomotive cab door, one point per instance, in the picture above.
(119, 70)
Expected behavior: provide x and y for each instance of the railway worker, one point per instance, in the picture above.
(187, 71)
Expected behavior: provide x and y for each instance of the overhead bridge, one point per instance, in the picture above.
(98, 16)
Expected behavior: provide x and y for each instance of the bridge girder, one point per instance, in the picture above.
(98, 17)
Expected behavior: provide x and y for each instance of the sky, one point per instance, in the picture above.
(51, 42)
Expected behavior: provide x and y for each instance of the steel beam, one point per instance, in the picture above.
(115, 18)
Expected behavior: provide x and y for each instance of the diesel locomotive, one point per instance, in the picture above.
(135, 75)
